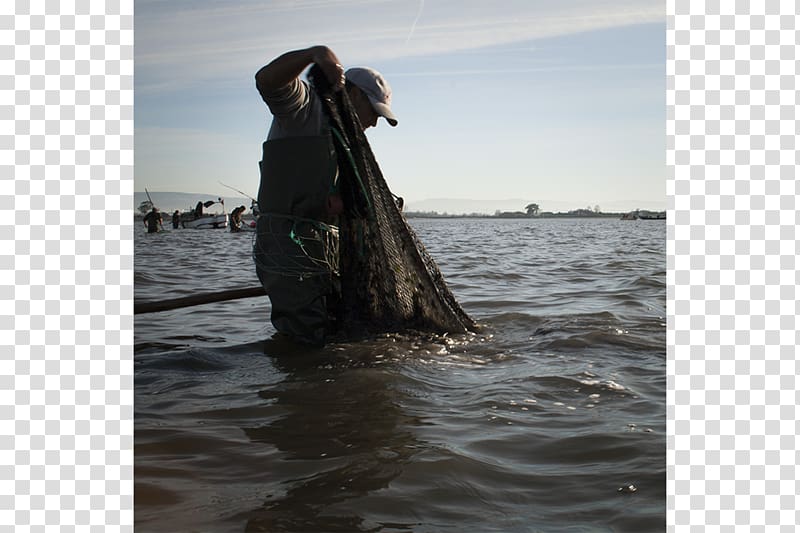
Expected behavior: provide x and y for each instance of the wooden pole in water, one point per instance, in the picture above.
(197, 299)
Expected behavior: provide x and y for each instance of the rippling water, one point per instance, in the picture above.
(541, 422)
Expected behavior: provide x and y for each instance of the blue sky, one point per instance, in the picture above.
(561, 103)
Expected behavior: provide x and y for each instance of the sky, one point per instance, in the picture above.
(560, 103)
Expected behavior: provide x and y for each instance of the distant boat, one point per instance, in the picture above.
(206, 222)
(196, 219)
(640, 214)
(652, 215)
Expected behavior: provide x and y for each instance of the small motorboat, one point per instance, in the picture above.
(197, 219)
(206, 222)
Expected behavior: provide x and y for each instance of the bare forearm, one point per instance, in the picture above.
(285, 68)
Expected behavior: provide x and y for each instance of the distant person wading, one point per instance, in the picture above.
(297, 197)
(236, 219)
(152, 221)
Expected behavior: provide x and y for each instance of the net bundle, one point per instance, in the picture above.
(388, 281)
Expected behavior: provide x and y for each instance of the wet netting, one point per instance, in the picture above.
(387, 280)
(296, 247)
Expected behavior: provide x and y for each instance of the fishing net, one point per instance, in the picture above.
(388, 281)
(296, 247)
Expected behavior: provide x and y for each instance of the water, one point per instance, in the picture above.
(535, 424)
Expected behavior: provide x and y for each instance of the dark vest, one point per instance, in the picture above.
(297, 176)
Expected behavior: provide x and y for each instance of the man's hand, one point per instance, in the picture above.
(324, 57)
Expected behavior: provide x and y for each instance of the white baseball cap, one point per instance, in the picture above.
(376, 88)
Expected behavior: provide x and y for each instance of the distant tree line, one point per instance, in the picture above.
(533, 210)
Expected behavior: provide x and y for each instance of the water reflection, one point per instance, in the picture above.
(342, 436)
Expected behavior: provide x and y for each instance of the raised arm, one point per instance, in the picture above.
(285, 68)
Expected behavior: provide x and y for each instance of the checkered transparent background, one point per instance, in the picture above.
(732, 96)
(66, 94)
(66, 261)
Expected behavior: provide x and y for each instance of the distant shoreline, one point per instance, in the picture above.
(510, 216)
(414, 214)
(168, 202)
(580, 213)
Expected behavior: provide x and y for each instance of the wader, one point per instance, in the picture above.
(296, 247)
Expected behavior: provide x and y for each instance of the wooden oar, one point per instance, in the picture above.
(197, 299)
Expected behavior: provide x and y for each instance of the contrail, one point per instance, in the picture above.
(414, 24)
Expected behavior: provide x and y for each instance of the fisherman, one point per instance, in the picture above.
(152, 220)
(176, 219)
(297, 195)
(236, 218)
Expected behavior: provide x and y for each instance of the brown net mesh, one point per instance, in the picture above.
(388, 281)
